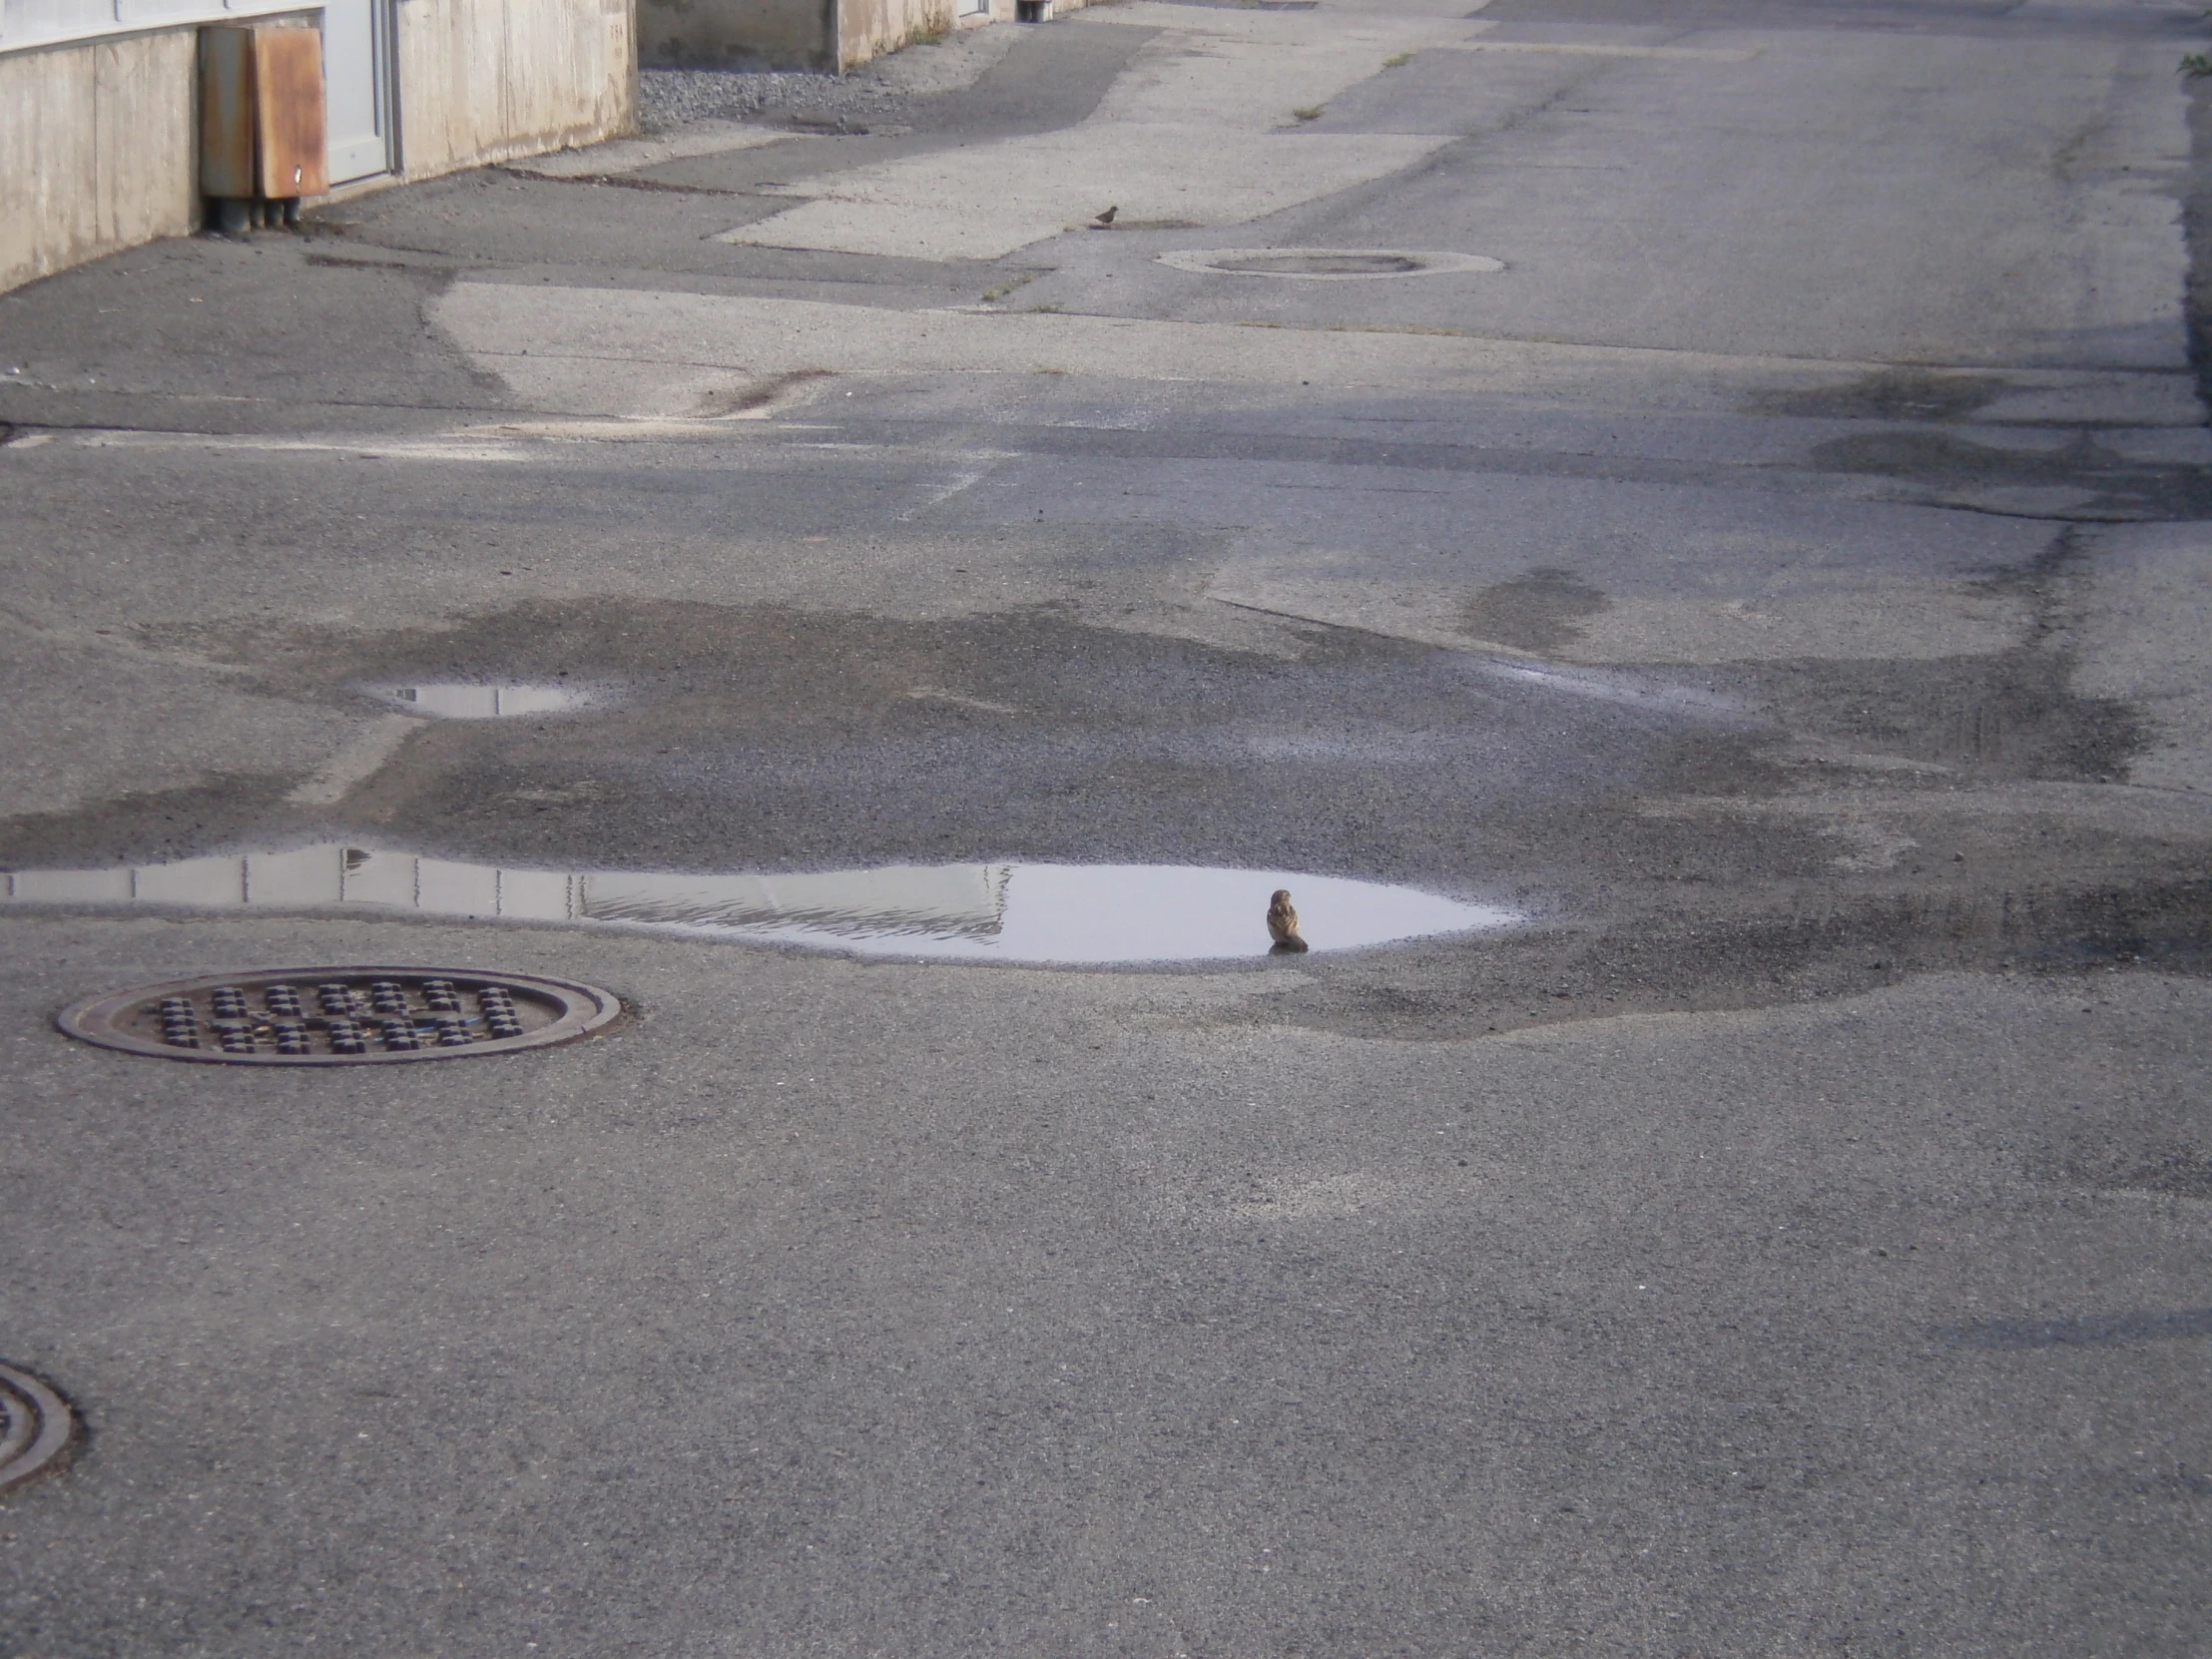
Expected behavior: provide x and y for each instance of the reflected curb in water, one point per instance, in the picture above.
(468, 700)
(1060, 915)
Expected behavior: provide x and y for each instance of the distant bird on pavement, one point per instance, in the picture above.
(1107, 218)
(1283, 921)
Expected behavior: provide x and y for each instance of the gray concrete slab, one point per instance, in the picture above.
(1749, 211)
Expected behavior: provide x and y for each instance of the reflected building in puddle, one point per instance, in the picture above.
(1015, 912)
(898, 899)
(462, 700)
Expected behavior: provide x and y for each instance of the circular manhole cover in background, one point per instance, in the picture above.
(1326, 265)
(37, 1428)
(341, 1017)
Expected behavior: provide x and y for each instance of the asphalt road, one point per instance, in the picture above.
(1775, 569)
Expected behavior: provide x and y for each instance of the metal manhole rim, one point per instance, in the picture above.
(51, 1445)
(586, 1010)
(1211, 261)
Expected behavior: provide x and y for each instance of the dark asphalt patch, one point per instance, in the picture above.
(1684, 954)
(759, 737)
(2196, 222)
(2183, 1174)
(765, 739)
(1889, 395)
(2010, 715)
(2090, 1330)
(1538, 612)
(2121, 488)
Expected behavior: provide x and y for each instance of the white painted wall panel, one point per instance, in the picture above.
(484, 79)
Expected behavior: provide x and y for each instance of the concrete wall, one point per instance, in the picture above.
(868, 27)
(801, 34)
(96, 149)
(484, 79)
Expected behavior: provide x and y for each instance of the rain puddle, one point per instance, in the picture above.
(1069, 914)
(459, 700)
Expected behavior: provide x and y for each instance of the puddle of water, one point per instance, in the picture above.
(457, 700)
(1068, 914)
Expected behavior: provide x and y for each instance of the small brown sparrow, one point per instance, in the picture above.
(1283, 921)
(1107, 218)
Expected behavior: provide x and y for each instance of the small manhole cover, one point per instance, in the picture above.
(1326, 264)
(1320, 264)
(342, 1016)
(36, 1428)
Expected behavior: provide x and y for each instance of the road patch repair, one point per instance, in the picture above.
(1199, 130)
(628, 354)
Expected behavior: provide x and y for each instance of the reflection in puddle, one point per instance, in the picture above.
(455, 700)
(1007, 913)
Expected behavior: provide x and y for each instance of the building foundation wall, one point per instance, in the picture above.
(96, 149)
(488, 79)
(803, 34)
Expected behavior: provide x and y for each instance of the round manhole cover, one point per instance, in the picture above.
(1326, 265)
(37, 1428)
(344, 1017)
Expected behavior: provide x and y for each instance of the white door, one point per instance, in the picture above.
(356, 88)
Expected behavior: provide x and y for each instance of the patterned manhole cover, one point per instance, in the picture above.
(1326, 265)
(36, 1428)
(342, 1016)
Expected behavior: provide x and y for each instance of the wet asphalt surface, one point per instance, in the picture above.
(1792, 1240)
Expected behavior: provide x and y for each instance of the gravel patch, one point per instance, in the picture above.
(669, 99)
